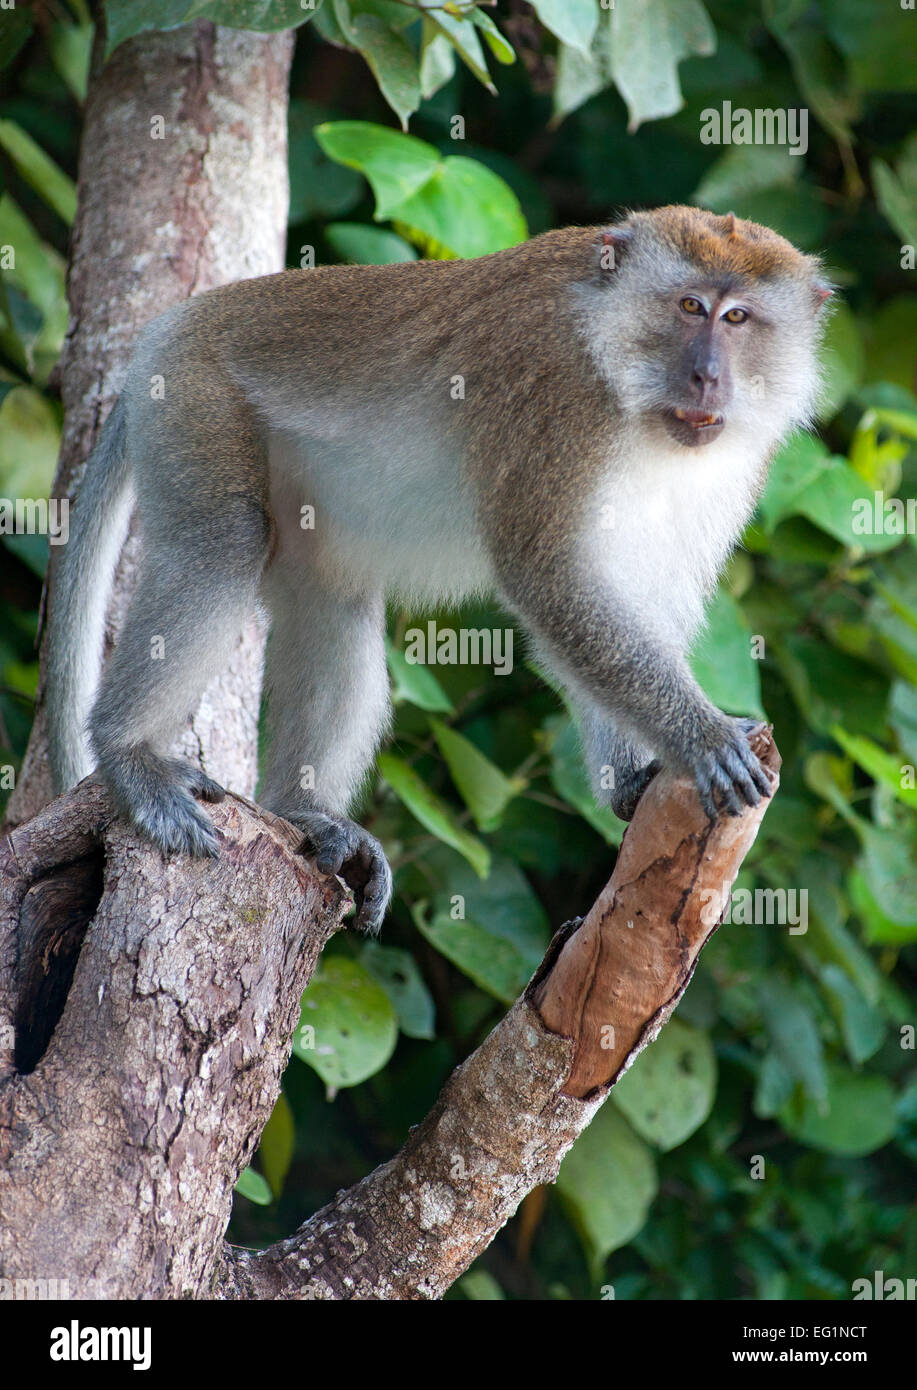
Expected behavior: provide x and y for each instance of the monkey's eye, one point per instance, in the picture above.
(735, 315)
(693, 306)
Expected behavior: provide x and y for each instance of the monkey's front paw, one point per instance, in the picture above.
(727, 772)
(342, 847)
(629, 787)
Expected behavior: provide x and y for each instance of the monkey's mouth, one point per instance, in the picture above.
(691, 426)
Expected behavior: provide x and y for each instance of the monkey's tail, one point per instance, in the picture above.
(82, 584)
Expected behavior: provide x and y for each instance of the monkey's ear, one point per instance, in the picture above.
(822, 293)
(612, 241)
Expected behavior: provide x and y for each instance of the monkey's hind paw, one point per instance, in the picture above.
(342, 847)
(629, 788)
(176, 825)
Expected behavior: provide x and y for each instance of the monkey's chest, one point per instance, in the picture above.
(665, 531)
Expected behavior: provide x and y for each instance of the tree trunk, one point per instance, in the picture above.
(182, 186)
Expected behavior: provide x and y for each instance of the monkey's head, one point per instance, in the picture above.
(715, 324)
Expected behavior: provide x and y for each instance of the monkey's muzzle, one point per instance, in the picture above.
(693, 426)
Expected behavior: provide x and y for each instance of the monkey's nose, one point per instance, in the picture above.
(705, 376)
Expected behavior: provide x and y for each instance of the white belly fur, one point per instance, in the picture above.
(391, 509)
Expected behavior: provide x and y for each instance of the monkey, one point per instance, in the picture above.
(580, 425)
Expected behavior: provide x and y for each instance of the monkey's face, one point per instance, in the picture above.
(716, 326)
(725, 356)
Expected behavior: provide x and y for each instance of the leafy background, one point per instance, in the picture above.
(791, 1048)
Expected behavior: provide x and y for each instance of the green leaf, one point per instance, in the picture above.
(607, 1182)
(889, 865)
(354, 1023)
(891, 342)
(881, 765)
(902, 716)
(574, 22)
(669, 1091)
(277, 1144)
(842, 359)
(794, 1034)
(722, 659)
(801, 461)
(362, 245)
(897, 200)
(70, 47)
(437, 59)
(880, 55)
(498, 44)
(830, 687)
(857, 1117)
(416, 683)
(495, 965)
(319, 186)
(433, 813)
(40, 172)
(462, 34)
(580, 75)
(448, 206)
(253, 1186)
(819, 69)
(861, 1024)
(39, 272)
(390, 57)
(398, 974)
(464, 210)
(485, 790)
(29, 443)
(480, 1285)
(395, 164)
(495, 931)
(649, 38)
(17, 26)
(743, 170)
(571, 781)
(125, 18)
(880, 930)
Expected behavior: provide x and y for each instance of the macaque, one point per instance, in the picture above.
(622, 391)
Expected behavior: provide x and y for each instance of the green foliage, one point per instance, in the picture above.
(348, 1026)
(793, 1044)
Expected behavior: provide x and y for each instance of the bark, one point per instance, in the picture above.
(159, 219)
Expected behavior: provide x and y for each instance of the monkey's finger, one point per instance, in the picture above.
(375, 895)
(723, 783)
(705, 792)
(759, 774)
(739, 772)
